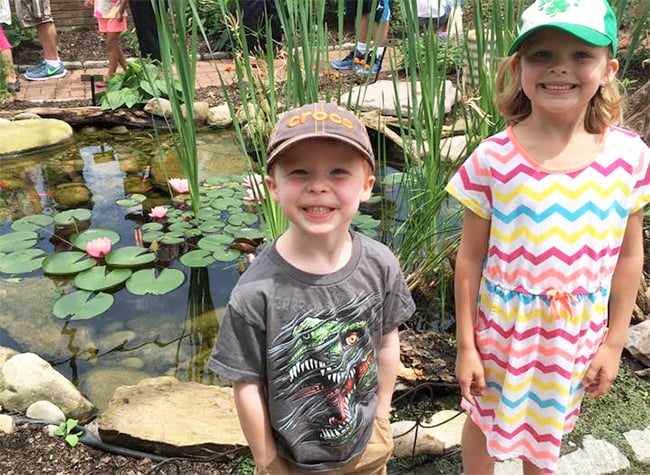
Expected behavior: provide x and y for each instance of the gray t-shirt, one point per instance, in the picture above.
(312, 341)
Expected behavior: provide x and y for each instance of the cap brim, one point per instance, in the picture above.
(583, 33)
(287, 144)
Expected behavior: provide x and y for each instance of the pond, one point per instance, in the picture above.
(139, 335)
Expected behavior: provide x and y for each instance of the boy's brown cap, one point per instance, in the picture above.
(319, 120)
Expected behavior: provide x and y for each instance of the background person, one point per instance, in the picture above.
(360, 58)
(111, 20)
(11, 80)
(309, 337)
(37, 13)
(551, 250)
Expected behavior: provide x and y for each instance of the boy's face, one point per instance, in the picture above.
(319, 184)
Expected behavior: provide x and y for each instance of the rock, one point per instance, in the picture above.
(26, 378)
(72, 195)
(101, 383)
(380, 95)
(595, 458)
(7, 424)
(45, 411)
(440, 433)
(20, 137)
(164, 416)
(638, 342)
(163, 108)
(639, 440)
(220, 116)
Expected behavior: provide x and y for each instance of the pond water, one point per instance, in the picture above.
(139, 335)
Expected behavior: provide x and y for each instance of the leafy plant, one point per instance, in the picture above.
(134, 87)
(69, 431)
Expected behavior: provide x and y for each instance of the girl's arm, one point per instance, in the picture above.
(469, 266)
(387, 364)
(254, 422)
(625, 285)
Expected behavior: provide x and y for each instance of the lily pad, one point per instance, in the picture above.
(99, 278)
(241, 219)
(221, 193)
(130, 256)
(151, 227)
(172, 238)
(145, 282)
(18, 241)
(198, 258)
(180, 226)
(214, 242)
(226, 254)
(82, 305)
(71, 216)
(211, 226)
(132, 200)
(151, 236)
(33, 222)
(21, 262)
(67, 262)
(225, 204)
(81, 240)
(250, 233)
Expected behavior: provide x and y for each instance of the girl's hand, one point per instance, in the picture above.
(470, 374)
(603, 370)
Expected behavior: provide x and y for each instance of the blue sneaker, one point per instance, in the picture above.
(347, 63)
(44, 71)
(363, 68)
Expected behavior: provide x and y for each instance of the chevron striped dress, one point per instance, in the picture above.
(542, 308)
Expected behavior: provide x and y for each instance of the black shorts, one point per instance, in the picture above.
(382, 13)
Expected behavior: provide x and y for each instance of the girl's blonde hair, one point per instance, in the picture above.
(604, 109)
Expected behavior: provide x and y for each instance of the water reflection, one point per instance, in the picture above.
(140, 336)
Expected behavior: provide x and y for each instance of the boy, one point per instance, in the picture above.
(310, 333)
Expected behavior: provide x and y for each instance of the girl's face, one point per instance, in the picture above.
(560, 74)
(319, 184)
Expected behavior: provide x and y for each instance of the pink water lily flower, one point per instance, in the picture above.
(179, 185)
(158, 212)
(99, 247)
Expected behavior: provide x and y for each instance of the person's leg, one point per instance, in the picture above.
(7, 58)
(47, 36)
(146, 29)
(476, 460)
(115, 54)
(530, 469)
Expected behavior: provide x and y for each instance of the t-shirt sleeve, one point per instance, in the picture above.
(398, 301)
(641, 192)
(238, 353)
(470, 185)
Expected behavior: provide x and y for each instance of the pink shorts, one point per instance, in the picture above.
(4, 42)
(111, 25)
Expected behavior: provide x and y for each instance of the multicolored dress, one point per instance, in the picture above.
(555, 237)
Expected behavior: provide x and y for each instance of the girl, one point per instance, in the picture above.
(551, 248)
(111, 22)
(11, 80)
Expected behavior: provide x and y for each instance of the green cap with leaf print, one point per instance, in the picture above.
(592, 21)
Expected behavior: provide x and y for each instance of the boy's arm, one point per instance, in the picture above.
(387, 364)
(467, 276)
(254, 421)
(625, 285)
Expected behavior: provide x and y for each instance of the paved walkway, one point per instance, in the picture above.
(72, 88)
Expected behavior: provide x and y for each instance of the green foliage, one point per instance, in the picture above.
(135, 87)
(17, 35)
(69, 431)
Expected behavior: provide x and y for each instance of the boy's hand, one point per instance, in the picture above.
(89, 3)
(603, 370)
(470, 374)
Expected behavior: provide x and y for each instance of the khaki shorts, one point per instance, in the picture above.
(372, 461)
(25, 14)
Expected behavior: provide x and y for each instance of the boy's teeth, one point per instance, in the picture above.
(319, 209)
